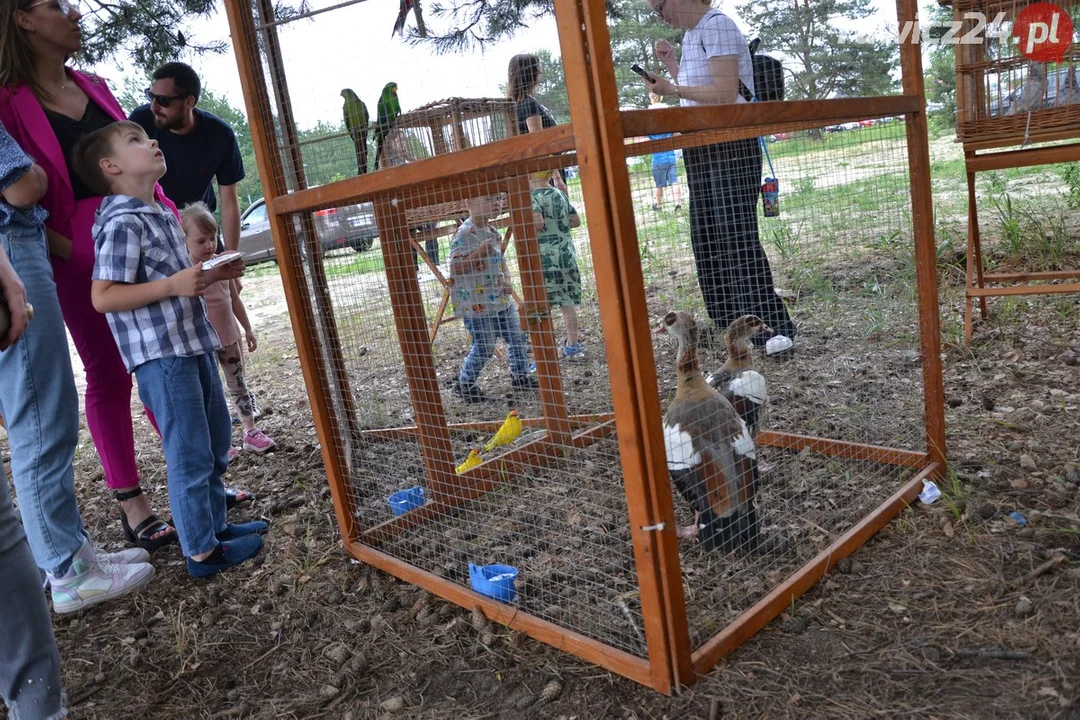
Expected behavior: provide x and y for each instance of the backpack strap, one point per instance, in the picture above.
(743, 90)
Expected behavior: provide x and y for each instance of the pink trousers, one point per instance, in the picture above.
(108, 383)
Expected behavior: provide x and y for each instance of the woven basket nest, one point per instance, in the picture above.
(1052, 119)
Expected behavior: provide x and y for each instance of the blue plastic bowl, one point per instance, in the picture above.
(403, 501)
(494, 581)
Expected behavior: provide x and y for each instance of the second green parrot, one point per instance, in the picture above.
(356, 122)
(388, 110)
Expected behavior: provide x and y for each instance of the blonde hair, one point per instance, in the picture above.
(198, 213)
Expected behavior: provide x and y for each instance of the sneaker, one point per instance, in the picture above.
(656, 208)
(257, 441)
(90, 581)
(235, 530)
(128, 556)
(573, 352)
(226, 555)
(233, 452)
(471, 394)
(525, 383)
(678, 207)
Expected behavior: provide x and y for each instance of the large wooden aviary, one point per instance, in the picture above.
(596, 143)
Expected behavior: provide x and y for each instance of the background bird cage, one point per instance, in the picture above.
(1002, 97)
(580, 502)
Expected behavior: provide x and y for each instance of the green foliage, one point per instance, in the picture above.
(634, 29)
(1071, 174)
(551, 93)
(825, 60)
(941, 74)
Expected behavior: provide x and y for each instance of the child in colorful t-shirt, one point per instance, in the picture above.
(555, 217)
(480, 291)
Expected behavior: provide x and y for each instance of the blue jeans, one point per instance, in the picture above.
(40, 407)
(185, 395)
(30, 662)
(486, 331)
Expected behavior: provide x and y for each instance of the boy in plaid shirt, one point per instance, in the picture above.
(150, 292)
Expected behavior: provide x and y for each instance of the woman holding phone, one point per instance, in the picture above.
(724, 178)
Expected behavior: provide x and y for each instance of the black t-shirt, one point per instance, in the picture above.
(527, 108)
(68, 133)
(195, 159)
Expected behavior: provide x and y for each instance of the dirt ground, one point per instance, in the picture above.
(954, 610)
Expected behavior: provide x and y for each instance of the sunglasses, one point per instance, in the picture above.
(162, 100)
(64, 6)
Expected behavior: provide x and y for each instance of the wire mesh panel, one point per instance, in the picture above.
(498, 424)
(1010, 83)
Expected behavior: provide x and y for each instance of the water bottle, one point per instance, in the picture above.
(770, 196)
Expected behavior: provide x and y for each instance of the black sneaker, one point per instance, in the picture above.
(525, 383)
(471, 394)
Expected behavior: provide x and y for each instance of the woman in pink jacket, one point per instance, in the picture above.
(47, 107)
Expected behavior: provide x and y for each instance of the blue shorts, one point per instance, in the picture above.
(664, 175)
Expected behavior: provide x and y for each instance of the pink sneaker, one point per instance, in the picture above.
(257, 441)
(233, 452)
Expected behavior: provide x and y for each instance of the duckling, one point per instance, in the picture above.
(710, 453)
(738, 381)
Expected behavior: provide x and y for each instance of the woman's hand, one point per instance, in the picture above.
(252, 343)
(14, 293)
(660, 86)
(229, 271)
(666, 54)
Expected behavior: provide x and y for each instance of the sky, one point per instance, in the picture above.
(351, 47)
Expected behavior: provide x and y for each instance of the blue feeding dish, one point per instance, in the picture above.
(494, 581)
(403, 501)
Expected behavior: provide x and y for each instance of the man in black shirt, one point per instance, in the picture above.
(198, 146)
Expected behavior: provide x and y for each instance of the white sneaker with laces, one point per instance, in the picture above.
(90, 581)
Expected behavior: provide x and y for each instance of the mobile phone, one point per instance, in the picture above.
(637, 68)
(223, 259)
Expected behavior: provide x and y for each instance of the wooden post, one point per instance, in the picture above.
(536, 312)
(408, 306)
(922, 207)
(268, 153)
(594, 109)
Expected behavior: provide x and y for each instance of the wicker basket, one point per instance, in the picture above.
(1002, 97)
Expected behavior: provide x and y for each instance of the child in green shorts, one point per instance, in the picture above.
(555, 217)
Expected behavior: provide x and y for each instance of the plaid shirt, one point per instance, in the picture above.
(138, 243)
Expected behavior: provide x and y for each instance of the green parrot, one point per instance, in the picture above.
(388, 110)
(356, 122)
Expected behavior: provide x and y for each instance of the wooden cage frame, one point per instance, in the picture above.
(596, 143)
(984, 139)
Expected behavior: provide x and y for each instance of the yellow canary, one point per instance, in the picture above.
(472, 461)
(508, 433)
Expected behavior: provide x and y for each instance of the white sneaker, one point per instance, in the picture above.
(91, 580)
(127, 556)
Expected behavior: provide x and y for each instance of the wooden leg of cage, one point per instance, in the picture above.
(971, 277)
(538, 325)
(411, 322)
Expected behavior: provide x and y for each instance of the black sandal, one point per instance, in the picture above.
(234, 497)
(143, 534)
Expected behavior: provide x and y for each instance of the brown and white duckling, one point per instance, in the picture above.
(710, 453)
(738, 381)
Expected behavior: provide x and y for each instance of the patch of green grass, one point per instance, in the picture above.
(364, 263)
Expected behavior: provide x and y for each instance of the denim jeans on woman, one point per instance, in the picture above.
(185, 395)
(40, 407)
(486, 331)
(29, 660)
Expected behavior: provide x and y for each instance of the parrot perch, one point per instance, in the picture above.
(403, 12)
(356, 122)
(472, 461)
(508, 433)
(388, 110)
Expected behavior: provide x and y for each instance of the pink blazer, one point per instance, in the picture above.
(24, 118)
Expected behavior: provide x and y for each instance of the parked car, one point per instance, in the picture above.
(351, 226)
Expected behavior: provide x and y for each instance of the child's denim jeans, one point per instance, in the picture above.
(40, 407)
(486, 331)
(185, 395)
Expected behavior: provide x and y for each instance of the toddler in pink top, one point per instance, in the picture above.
(227, 314)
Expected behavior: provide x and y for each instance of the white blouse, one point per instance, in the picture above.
(715, 35)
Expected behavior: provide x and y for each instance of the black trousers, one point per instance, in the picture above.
(733, 270)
